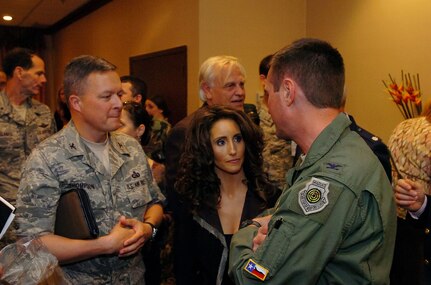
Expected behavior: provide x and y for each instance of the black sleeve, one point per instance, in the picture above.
(174, 149)
(383, 154)
(184, 248)
(425, 218)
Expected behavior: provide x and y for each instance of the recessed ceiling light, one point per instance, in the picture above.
(7, 18)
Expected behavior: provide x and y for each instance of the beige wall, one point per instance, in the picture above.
(125, 28)
(375, 37)
(249, 30)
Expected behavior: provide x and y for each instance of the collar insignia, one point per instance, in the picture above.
(72, 146)
(256, 270)
(333, 166)
(314, 197)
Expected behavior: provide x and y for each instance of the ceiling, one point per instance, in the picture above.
(46, 14)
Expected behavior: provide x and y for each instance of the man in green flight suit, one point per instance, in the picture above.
(335, 222)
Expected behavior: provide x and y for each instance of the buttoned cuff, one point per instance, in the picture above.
(416, 215)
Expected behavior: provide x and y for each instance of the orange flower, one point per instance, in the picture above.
(406, 95)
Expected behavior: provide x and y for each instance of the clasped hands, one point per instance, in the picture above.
(128, 236)
(409, 195)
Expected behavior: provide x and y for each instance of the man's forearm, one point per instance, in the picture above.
(71, 250)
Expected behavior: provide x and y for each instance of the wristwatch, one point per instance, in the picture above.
(153, 235)
(250, 222)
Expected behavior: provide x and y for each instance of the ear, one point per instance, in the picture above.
(206, 88)
(288, 90)
(18, 72)
(140, 130)
(262, 79)
(75, 102)
(138, 98)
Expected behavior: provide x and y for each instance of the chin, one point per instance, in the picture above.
(110, 127)
(232, 171)
(238, 106)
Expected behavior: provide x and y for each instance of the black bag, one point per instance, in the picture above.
(74, 218)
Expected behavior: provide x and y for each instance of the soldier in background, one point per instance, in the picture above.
(24, 122)
(134, 89)
(277, 152)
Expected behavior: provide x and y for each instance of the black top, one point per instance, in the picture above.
(200, 246)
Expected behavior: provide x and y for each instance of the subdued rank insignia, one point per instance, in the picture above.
(256, 270)
(314, 197)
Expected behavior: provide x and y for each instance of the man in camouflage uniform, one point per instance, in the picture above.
(277, 153)
(134, 90)
(111, 167)
(24, 122)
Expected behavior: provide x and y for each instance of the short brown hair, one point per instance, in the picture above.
(316, 66)
(78, 70)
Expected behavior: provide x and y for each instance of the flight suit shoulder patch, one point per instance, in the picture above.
(314, 197)
(327, 187)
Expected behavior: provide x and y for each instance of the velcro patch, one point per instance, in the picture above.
(314, 197)
(256, 270)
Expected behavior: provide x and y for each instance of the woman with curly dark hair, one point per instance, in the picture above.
(220, 184)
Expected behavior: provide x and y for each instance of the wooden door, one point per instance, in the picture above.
(165, 73)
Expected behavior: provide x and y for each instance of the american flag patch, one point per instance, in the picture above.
(256, 270)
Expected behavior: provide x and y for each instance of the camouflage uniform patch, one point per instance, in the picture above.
(277, 154)
(17, 139)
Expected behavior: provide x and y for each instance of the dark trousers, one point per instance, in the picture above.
(408, 264)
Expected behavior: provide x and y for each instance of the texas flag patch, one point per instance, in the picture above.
(256, 270)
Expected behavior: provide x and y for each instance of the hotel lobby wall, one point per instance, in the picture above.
(125, 28)
(376, 37)
(249, 30)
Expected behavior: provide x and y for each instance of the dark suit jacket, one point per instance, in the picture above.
(198, 246)
(425, 222)
(376, 145)
(413, 250)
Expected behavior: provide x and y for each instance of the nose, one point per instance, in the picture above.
(239, 89)
(117, 101)
(232, 148)
(43, 79)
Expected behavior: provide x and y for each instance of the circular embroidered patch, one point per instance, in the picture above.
(313, 195)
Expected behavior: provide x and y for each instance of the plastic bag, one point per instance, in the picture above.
(28, 261)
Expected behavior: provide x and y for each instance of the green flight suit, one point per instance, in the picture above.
(335, 224)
